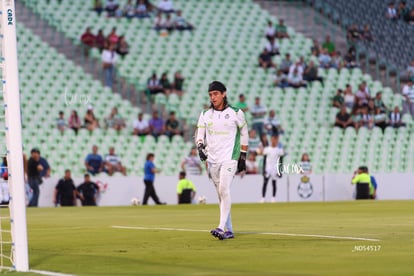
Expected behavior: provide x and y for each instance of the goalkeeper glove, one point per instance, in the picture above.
(202, 152)
(241, 164)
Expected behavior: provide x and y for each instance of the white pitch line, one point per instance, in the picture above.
(49, 273)
(254, 233)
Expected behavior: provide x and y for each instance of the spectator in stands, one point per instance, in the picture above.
(61, 123)
(33, 175)
(338, 99)
(391, 12)
(159, 23)
(252, 167)
(371, 107)
(156, 125)
(410, 70)
(241, 104)
(186, 190)
(258, 112)
(111, 7)
(272, 47)
(113, 163)
(74, 121)
(100, 40)
(166, 6)
(178, 83)
(88, 40)
(165, 83)
(295, 79)
(94, 163)
(270, 31)
(367, 120)
(154, 85)
(115, 120)
(408, 101)
(181, 24)
(265, 60)
(337, 62)
(91, 122)
(113, 38)
(305, 164)
(311, 73)
(281, 30)
(129, 10)
(328, 45)
(272, 124)
(172, 126)
(362, 97)
(255, 144)
(380, 119)
(280, 79)
(403, 11)
(367, 34)
(411, 16)
(396, 118)
(98, 6)
(109, 59)
(343, 119)
(142, 9)
(324, 59)
(299, 66)
(286, 64)
(379, 103)
(45, 172)
(316, 48)
(353, 33)
(350, 58)
(192, 164)
(88, 191)
(65, 191)
(141, 127)
(349, 97)
(169, 23)
(357, 118)
(149, 176)
(122, 47)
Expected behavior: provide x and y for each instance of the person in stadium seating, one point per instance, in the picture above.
(380, 119)
(115, 120)
(391, 13)
(403, 11)
(149, 176)
(159, 23)
(178, 83)
(350, 58)
(408, 100)
(165, 83)
(122, 47)
(65, 191)
(411, 16)
(33, 176)
(166, 6)
(100, 40)
(395, 118)
(109, 59)
(265, 60)
(295, 79)
(111, 7)
(142, 9)
(258, 112)
(328, 45)
(88, 40)
(113, 37)
(367, 119)
(88, 191)
(343, 119)
(272, 124)
(338, 99)
(311, 73)
(272, 47)
(281, 30)
(367, 34)
(192, 164)
(74, 121)
(169, 23)
(241, 104)
(129, 10)
(94, 163)
(90, 121)
(270, 31)
(285, 64)
(305, 164)
(156, 125)
(113, 163)
(324, 59)
(252, 167)
(186, 190)
(172, 126)
(280, 79)
(337, 61)
(299, 66)
(362, 97)
(349, 97)
(61, 123)
(353, 33)
(379, 103)
(316, 48)
(98, 6)
(410, 70)
(140, 126)
(181, 24)
(357, 118)
(255, 144)
(154, 85)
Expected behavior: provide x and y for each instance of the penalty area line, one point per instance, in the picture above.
(49, 273)
(251, 233)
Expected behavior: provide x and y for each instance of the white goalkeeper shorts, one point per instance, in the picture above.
(222, 175)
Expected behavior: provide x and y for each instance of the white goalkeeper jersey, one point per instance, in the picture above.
(223, 132)
(272, 156)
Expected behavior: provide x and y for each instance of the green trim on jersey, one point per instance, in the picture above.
(236, 149)
(236, 109)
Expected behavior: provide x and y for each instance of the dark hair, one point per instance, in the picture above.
(149, 155)
(61, 113)
(182, 174)
(67, 170)
(86, 175)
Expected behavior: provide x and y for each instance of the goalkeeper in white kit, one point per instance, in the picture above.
(222, 139)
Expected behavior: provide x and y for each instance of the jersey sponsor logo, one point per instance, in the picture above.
(305, 188)
(227, 116)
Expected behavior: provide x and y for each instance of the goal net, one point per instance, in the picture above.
(13, 229)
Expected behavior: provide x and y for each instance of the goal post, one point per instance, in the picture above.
(13, 129)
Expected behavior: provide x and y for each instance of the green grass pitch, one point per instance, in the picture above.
(82, 241)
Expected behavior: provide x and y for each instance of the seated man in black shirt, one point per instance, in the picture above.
(88, 191)
(65, 191)
(343, 119)
(265, 60)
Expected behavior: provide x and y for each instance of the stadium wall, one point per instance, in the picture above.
(119, 190)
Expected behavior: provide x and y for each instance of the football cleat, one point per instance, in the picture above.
(218, 233)
(228, 235)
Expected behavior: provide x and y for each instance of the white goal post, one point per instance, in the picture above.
(11, 94)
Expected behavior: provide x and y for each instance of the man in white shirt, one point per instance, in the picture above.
(109, 59)
(272, 124)
(408, 101)
(222, 140)
(166, 6)
(113, 163)
(258, 112)
(272, 47)
(141, 126)
(362, 95)
(270, 31)
(192, 164)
